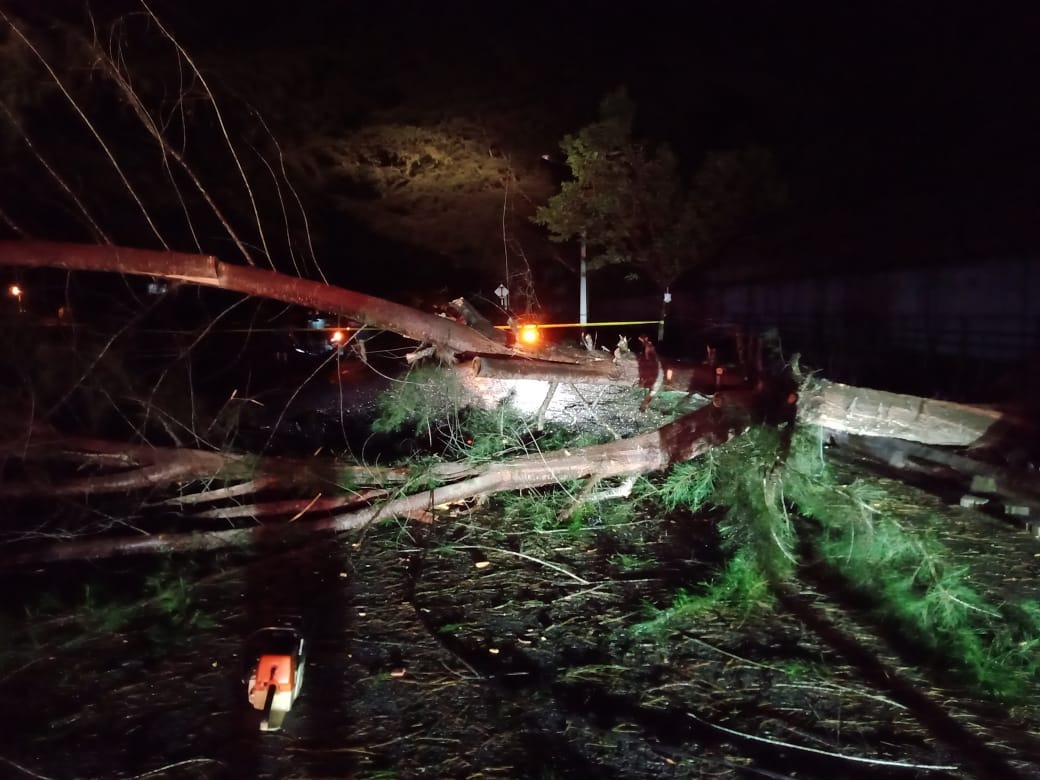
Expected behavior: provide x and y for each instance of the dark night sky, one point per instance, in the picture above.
(864, 103)
(920, 118)
(940, 91)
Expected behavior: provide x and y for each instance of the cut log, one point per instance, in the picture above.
(866, 412)
(592, 372)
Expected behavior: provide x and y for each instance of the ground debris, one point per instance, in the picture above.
(512, 669)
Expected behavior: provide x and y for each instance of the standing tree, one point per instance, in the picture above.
(630, 204)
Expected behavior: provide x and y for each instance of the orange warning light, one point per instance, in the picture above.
(529, 334)
(15, 291)
(337, 337)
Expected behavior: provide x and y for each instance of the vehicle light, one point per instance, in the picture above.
(337, 337)
(15, 291)
(529, 334)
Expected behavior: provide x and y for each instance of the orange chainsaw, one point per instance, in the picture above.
(277, 675)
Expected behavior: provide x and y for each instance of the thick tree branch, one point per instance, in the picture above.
(683, 439)
(207, 271)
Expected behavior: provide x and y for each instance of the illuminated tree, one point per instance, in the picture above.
(630, 204)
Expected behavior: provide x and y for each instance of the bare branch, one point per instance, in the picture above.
(90, 126)
(220, 120)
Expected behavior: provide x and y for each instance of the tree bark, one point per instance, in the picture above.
(207, 271)
(599, 371)
(866, 412)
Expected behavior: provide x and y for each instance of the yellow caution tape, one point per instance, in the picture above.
(585, 325)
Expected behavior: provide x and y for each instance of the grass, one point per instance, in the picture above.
(740, 587)
(629, 563)
(165, 610)
(554, 509)
(544, 509)
(173, 597)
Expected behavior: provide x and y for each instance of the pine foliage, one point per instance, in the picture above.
(785, 506)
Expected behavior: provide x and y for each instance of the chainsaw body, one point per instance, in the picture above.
(277, 674)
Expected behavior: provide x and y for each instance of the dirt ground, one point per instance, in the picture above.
(477, 648)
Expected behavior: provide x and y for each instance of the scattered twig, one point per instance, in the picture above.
(829, 754)
(24, 770)
(219, 494)
(186, 762)
(540, 419)
(526, 557)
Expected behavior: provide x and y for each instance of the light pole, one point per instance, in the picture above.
(664, 313)
(583, 266)
(583, 286)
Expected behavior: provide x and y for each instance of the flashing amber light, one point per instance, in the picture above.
(529, 334)
(337, 337)
(15, 291)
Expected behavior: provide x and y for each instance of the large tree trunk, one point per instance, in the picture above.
(832, 406)
(207, 271)
(859, 410)
(148, 468)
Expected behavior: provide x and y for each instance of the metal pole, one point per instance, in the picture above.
(583, 288)
(664, 314)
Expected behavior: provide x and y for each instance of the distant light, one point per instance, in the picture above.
(15, 291)
(337, 337)
(529, 334)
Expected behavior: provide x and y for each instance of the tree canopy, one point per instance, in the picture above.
(629, 201)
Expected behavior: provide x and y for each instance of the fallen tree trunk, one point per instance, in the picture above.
(677, 441)
(208, 271)
(597, 371)
(867, 412)
(681, 440)
(830, 405)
